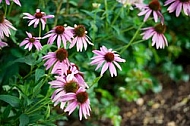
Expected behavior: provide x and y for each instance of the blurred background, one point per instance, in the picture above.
(153, 88)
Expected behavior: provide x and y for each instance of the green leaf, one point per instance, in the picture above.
(47, 111)
(12, 100)
(116, 120)
(38, 74)
(37, 88)
(6, 112)
(24, 120)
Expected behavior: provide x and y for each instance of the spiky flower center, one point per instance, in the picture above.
(154, 5)
(80, 31)
(39, 15)
(59, 29)
(82, 97)
(61, 54)
(68, 72)
(71, 87)
(183, 1)
(109, 57)
(31, 40)
(159, 28)
(1, 17)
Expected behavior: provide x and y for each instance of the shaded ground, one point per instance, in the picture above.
(171, 107)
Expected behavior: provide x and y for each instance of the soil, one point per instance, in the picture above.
(171, 107)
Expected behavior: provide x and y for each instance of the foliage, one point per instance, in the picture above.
(25, 94)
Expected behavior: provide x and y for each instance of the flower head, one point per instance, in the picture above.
(30, 41)
(152, 8)
(57, 59)
(37, 17)
(63, 86)
(2, 44)
(80, 38)
(74, 71)
(8, 2)
(5, 26)
(108, 59)
(80, 98)
(60, 32)
(157, 34)
(178, 5)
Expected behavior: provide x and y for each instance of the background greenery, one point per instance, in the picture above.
(24, 89)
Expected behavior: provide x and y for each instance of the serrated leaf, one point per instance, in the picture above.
(24, 120)
(12, 100)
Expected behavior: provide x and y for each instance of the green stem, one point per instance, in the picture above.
(67, 7)
(139, 41)
(106, 11)
(133, 38)
(40, 29)
(58, 6)
(45, 103)
(136, 42)
(95, 81)
(111, 36)
(116, 17)
(10, 8)
(5, 10)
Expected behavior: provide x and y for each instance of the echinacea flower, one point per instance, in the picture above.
(2, 44)
(63, 86)
(178, 5)
(37, 18)
(8, 2)
(30, 41)
(80, 98)
(5, 26)
(60, 32)
(108, 59)
(152, 8)
(80, 38)
(57, 59)
(157, 34)
(73, 70)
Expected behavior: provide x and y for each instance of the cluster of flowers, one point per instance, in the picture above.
(154, 8)
(69, 84)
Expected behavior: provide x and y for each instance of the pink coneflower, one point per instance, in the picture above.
(5, 26)
(72, 69)
(157, 34)
(108, 58)
(60, 32)
(2, 44)
(80, 98)
(57, 59)
(152, 8)
(177, 5)
(37, 17)
(63, 86)
(80, 38)
(30, 41)
(8, 2)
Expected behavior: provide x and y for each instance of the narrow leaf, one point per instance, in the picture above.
(12, 100)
